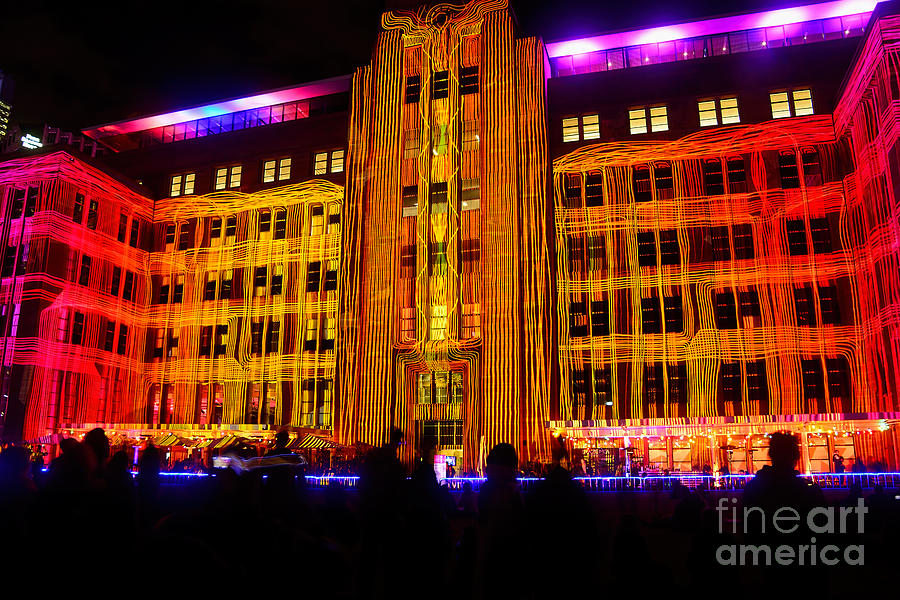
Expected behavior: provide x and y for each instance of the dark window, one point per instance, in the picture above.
(215, 229)
(9, 261)
(280, 224)
(413, 88)
(469, 250)
(812, 169)
(407, 261)
(838, 377)
(678, 384)
(803, 301)
(593, 189)
(828, 303)
(330, 284)
(123, 227)
(468, 80)
(18, 204)
(596, 252)
(123, 340)
(85, 274)
(110, 336)
(730, 381)
(312, 278)
(653, 383)
(184, 237)
(78, 329)
(650, 315)
(787, 169)
(796, 238)
(114, 284)
(92, 215)
(272, 338)
(226, 288)
(573, 191)
(256, 333)
(674, 314)
(603, 386)
(409, 201)
(600, 317)
(440, 85)
(164, 293)
(813, 379)
(265, 221)
(221, 340)
(439, 197)
(669, 249)
(749, 304)
(821, 235)
(743, 240)
(640, 182)
(726, 317)
(205, 340)
(713, 182)
(230, 226)
(277, 283)
(31, 202)
(128, 289)
(577, 319)
(135, 232)
(757, 383)
(170, 234)
(646, 249)
(662, 172)
(78, 210)
(720, 243)
(209, 289)
(178, 294)
(737, 172)
(260, 277)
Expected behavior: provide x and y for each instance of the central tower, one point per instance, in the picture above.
(446, 311)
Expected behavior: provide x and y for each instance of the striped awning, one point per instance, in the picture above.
(226, 442)
(166, 440)
(312, 441)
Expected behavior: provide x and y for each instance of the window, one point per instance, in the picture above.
(720, 243)
(128, 288)
(838, 377)
(812, 168)
(320, 163)
(726, 318)
(205, 340)
(468, 80)
(85, 273)
(265, 221)
(284, 168)
(796, 237)
(280, 224)
(573, 190)
(640, 182)
(334, 219)
(337, 161)
(164, 290)
(409, 201)
(78, 329)
(470, 324)
(328, 334)
(470, 195)
(407, 261)
(650, 315)
(18, 203)
(330, 284)
(312, 334)
(674, 314)
(787, 169)
(317, 220)
(439, 197)
(677, 383)
(637, 120)
(470, 138)
(273, 337)
(209, 289)
(114, 284)
(662, 175)
(713, 182)
(234, 177)
(791, 103)
(221, 340)
(653, 383)
(828, 304)
(313, 276)
(821, 235)
(571, 132)
(135, 232)
(603, 387)
(412, 142)
(173, 344)
(230, 228)
(730, 381)
(122, 346)
(593, 189)
(577, 319)
(178, 294)
(751, 314)
(228, 177)
(109, 336)
(757, 383)
(718, 110)
(221, 181)
(277, 280)
(646, 249)
(803, 302)
(268, 171)
(184, 236)
(92, 215)
(78, 209)
(182, 184)
(170, 237)
(407, 324)
(440, 85)
(225, 288)
(123, 228)
(743, 240)
(737, 172)
(413, 89)
(669, 248)
(590, 127)
(260, 281)
(280, 170)
(813, 379)
(659, 120)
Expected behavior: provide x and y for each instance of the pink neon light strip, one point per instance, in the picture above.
(309, 90)
(668, 33)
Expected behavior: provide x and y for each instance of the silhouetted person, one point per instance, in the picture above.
(837, 462)
(281, 443)
(97, 443)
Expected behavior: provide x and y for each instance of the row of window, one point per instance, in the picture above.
(469, 196)
(469, 142)
(73, 333)
(711, 112)
(278, 169)
(656, 181)
(440, 84)
(82, 276)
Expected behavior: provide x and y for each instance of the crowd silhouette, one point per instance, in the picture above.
(402, 534)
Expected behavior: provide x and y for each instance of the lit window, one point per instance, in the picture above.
(438, 321)
(637, 120)
(176, 186)
(570, 130)
(411, 143)
(337, 161)
(782, 103)
(590, 127)
(471, 194)
(728, 107)
(234, 179)
(221, 178)
(708, 115)
(189, 183)
(321, 163)
(470, 136)
(802, 102)
(410, 201)
(268, 171)
(468, 80)
(284, 169)
(659, 119)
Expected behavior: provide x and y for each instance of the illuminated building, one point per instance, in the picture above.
(7, 87)
(675, 239)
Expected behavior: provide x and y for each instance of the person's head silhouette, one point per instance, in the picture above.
(784, 450)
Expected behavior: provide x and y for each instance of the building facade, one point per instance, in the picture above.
(661, 244)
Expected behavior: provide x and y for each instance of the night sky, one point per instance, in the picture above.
(80, 64)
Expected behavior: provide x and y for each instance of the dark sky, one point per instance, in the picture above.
(82, 64)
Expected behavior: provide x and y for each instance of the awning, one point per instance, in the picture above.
(312, 441)
(166, 440)
(47, 439)
(226, 442)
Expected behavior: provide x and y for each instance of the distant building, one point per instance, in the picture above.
(7, 87)
(674, 240)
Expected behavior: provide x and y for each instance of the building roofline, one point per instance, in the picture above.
(313, 89)
(714, 26)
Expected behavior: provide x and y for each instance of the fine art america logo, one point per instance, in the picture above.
(827, 521)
